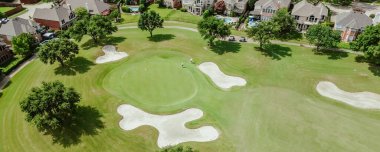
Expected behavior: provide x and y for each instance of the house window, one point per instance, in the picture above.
(312, 19)
(63, 21)
(297, 17)
(91, 11)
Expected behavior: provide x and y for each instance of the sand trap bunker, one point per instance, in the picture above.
(110, 54)
(365, 100)
(171, 128)
(219, 78)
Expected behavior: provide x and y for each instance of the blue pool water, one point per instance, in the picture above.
(134, 9)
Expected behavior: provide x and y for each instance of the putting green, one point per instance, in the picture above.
(154, 80)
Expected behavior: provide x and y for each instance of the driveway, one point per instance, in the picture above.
(32, 8)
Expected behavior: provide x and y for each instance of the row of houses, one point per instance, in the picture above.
(56, 18)
(305, 13)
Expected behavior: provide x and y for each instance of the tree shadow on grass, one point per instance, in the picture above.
(86, 121)
(77, 65)
(332, 54)
(161, 37)
(375, 69)
(221, 47)
(110, 40)
(276, 52)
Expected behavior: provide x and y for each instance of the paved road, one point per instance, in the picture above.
(133, 26)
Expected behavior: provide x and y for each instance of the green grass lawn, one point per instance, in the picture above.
(5, 9)
(278, 110)
(166, 14)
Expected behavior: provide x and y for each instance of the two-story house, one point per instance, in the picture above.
(351, 24)
(55, 18)
(15, 27)
(93, 6)
(235, 6)
(307, 14)
(197, 7)
(265, 9)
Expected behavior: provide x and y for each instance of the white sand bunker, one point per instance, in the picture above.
(110, 54)
(365, 100)
(219, 78)
(171, 128)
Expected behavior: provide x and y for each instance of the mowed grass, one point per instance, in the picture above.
(166, 14)
(278, 110)
(5, 9)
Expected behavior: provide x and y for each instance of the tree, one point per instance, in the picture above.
(368, 42)
(50, 106)
(115, 15)
(322, 36)
(81, 13)
(60, 50)
(251, 4)
(286, 24)
(178, 149)
(263, 32)
(149, 21)
(99, 27)
(78, 30)
(208, 13)
(23, 44)
(211, 28)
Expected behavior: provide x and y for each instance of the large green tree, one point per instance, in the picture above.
(23, 44)
(322, 36)
(81, 13)
(263, 32)
(211, 28)
(50, 106)
(60, 50)
(149, 21)
(178, 149)
(97, 27)
(286, 24)
(368, 42)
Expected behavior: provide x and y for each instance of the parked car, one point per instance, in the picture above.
(243, 39)
(48, 36)
(231, 38)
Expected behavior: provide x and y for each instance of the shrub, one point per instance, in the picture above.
(126, 9)
(372, 16)
(183, 10)
(8, 67)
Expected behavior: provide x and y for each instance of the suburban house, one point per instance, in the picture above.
(93, 6)
(235, 6)
(351, 24)
(17, 26)
(5, 53)
(55, 18)
(177, 4)
(264, 9)
(307, 14)
(197, 6)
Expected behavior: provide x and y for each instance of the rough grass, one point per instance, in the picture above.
(278, 110)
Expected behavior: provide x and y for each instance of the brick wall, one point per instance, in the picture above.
(51, 24)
